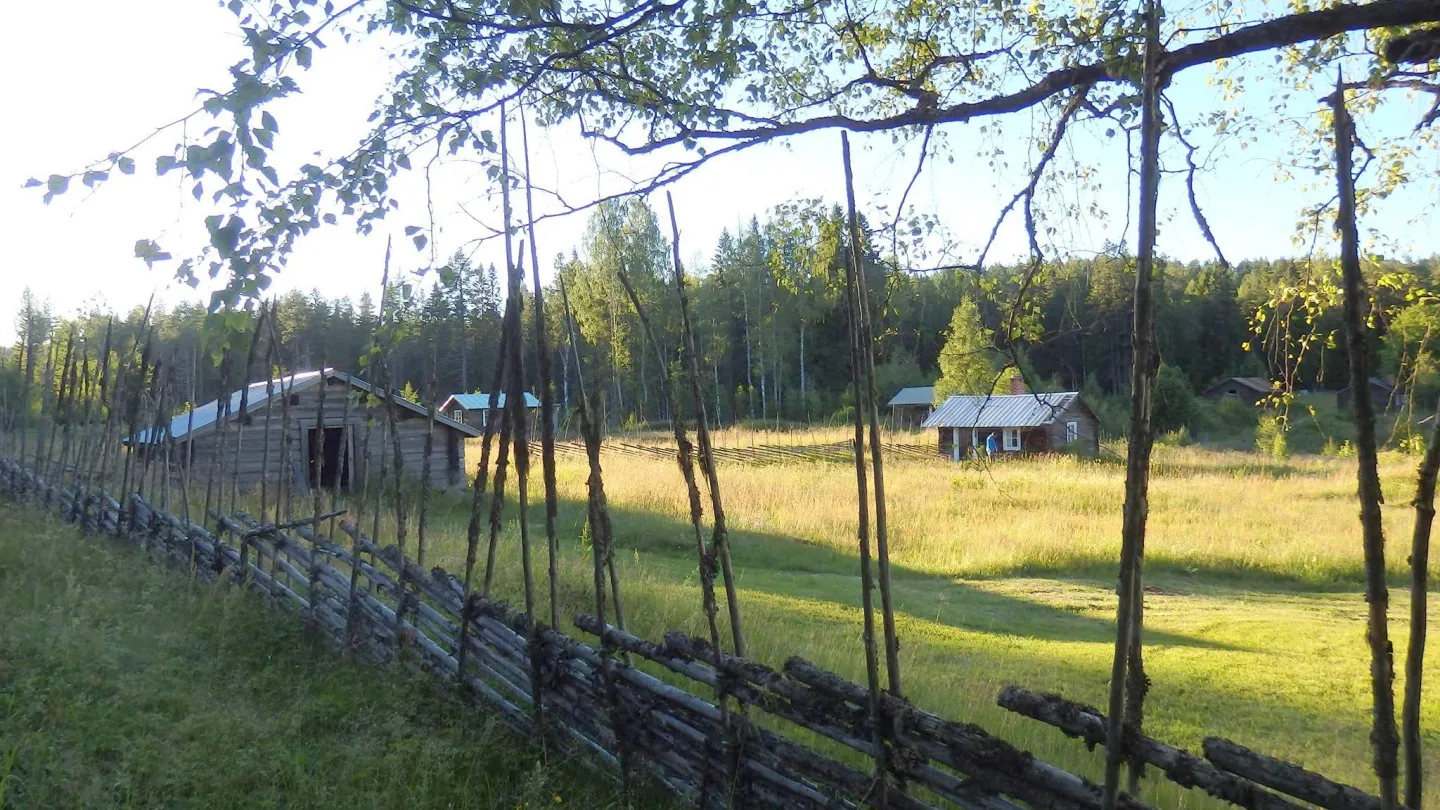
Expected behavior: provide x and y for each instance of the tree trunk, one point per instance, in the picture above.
(1382, 735)
(804, 400)
(1415, 654)
(1125, 672)
(749, 363)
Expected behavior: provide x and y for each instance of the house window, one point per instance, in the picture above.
(1072, 431)
(1012, 439)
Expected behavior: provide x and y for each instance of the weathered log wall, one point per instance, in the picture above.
(245, 444)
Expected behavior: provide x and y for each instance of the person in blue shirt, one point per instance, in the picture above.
(990, 445)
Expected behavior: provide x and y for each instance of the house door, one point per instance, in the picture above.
(333, 470)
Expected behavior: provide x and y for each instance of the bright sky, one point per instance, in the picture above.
(105, 74)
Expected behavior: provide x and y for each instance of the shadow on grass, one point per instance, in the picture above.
(791, 567)
(1333, 576)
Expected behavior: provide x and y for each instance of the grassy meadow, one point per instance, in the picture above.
(1004, 574)
(123, 685)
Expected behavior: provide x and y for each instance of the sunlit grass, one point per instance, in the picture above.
(1220, 512)
(1004, 574)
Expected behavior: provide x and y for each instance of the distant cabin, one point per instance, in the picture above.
(1020, 423)
(1249, 390)
(329, 449)
(472, 409)
(1382, 393)
(911, 407)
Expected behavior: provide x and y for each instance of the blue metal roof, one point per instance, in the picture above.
(922, 395)
(1000, 410)
(480, 400)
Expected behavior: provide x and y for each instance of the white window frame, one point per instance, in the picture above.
(1072, 432)
(1011, 440)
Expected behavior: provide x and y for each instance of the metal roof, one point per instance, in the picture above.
(206, 415)
(922, 395)
(1000, 410)
(1375, 382)
(1260, 385)
(480, 401)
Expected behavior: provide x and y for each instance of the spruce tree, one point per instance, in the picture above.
(967, 361)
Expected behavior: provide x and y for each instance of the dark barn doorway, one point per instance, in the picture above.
(333, 471)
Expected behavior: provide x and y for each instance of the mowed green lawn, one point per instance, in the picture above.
(1255, 616)
(123, 685)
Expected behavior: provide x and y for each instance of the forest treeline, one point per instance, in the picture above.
(770, 322)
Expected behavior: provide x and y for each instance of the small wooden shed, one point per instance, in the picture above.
(1249, 390)
(911, 407)
(327, 449)
(1382, 393)
(1020, 423)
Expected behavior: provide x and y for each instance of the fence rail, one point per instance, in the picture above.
(375, 602)
(842, 452)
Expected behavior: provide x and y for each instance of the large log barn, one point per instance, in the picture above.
(353, 412)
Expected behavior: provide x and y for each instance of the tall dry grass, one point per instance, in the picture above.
(1222, 512)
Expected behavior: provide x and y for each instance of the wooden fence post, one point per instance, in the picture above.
(857, 378)
(866, 402)
(1127, 678)
(315, 466)
(1377, 594)
(547, 388)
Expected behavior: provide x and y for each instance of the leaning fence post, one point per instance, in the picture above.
(1419, 595)
(547, 387)
(857, 372)
(124, 519)
(482, 470)
(497, 498)
(315, 474)
(45, 400)
(270, 368)
(243, 415)
(401, 516)
(222, 403)
(57, 412)
(1377, 593)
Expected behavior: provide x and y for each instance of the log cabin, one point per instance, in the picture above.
(1383, 396)
(910, 407)
(1250, 390)
(329, 451)
(1020, 423)
(472, 409)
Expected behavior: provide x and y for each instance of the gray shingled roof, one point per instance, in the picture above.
(205, 415)
(1000, 410)
(480, 401)
(921, 395)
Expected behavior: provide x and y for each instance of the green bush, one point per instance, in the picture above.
(1173, 401)
(1270, 436)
